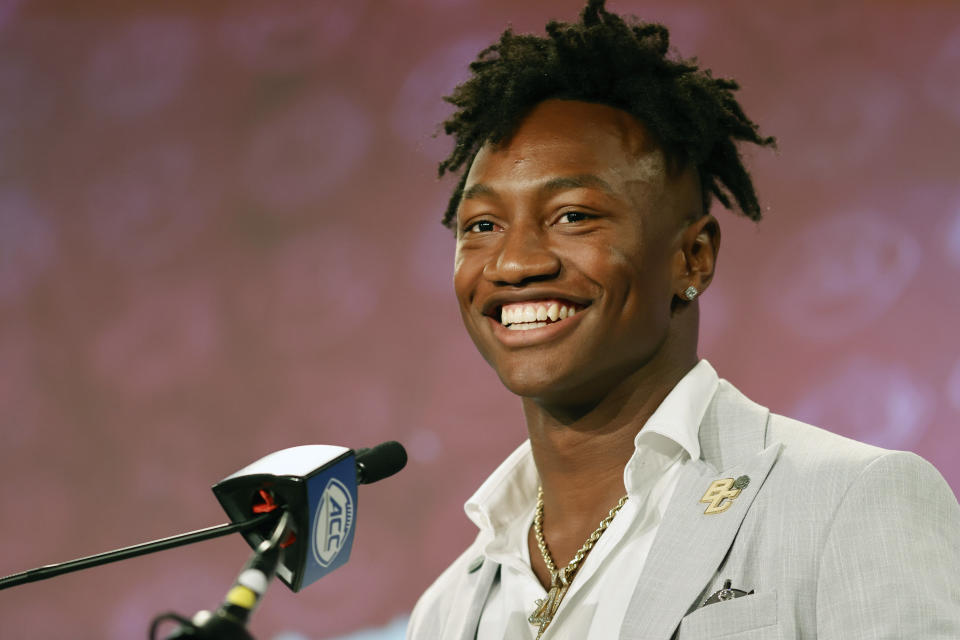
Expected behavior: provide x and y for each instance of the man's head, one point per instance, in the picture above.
(584, 196)
(604, 59)
(578, 211)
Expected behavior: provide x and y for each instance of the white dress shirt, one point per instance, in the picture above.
(595, 605)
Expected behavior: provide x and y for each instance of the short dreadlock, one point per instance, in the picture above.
(608, 60)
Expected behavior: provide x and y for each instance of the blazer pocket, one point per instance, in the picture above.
(745, 618)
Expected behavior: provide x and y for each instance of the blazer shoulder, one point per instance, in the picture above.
(810, 457)
(896, 530)
(738, 425)
(804, 440)
(832, 465)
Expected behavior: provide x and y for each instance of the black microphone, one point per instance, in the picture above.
(382, 461)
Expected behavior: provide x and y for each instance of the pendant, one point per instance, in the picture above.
(547, 607)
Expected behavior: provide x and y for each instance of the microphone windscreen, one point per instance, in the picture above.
(380, 462)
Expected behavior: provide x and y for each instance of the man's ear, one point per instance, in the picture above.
(696, 258)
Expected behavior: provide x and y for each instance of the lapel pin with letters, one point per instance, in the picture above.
(722, 492)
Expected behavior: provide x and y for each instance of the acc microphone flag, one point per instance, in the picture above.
(317, 485)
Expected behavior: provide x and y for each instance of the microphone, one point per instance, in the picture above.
(314, 487)
(292, 479)
(317, 486)
(382, 461)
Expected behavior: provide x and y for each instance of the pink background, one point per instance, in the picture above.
(220, 238)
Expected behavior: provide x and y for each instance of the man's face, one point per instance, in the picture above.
(568, 251)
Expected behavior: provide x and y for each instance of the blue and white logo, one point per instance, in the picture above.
(332, 523)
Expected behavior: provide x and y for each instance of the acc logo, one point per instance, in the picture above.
(332, 522)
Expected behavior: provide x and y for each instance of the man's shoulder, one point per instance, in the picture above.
(832, 510)
(817, 459)
(821, 478)
(818, 454)
(808, 444)
(808, 447)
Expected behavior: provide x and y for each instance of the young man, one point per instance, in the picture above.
(652, 499)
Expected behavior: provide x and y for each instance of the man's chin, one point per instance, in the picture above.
(527, 384)
(543, 387)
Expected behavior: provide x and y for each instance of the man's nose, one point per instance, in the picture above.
(523, 256)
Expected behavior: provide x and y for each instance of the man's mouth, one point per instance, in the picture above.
(533, 314)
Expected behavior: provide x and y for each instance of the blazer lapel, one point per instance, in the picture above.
(690, 544)
(481, 581)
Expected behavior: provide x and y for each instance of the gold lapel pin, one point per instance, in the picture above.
(722, 492)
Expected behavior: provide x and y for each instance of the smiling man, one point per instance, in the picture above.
(652, 499)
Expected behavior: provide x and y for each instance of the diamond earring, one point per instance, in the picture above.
(690, 292)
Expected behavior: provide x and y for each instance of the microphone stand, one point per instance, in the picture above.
(51, 570)
(229, 622)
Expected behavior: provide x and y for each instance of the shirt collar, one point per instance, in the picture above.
(679, 415)
(672, 431)
(507, 494)
(510, 491)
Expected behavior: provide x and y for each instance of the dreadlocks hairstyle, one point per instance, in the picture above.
(623, 64)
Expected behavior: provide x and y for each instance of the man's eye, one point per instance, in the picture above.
(480, 226)
(573, 216)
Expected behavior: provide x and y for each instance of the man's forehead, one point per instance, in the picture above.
(587, 121)
(575, 133)
(548, 169)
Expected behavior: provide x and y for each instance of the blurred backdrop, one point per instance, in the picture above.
(219, 237)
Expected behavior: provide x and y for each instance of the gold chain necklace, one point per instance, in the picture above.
(560, 579)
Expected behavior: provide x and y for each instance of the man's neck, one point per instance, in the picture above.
(580, 455)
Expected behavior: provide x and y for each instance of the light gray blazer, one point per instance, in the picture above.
(837, 539)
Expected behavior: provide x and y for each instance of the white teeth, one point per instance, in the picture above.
(532, 316)
(526, 326)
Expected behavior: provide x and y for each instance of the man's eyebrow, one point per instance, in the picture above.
(478, 189)
(581, 181)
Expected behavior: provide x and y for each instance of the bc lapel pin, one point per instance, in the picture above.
(721, 493)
